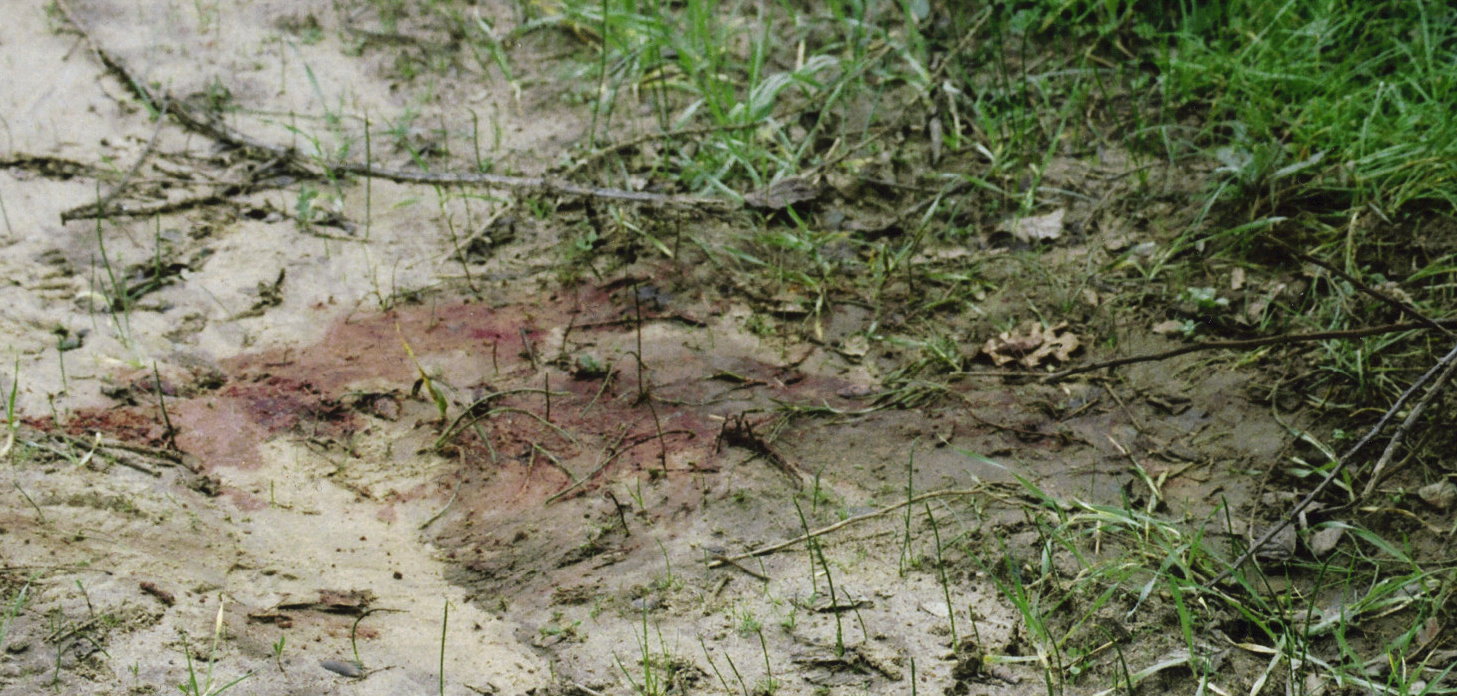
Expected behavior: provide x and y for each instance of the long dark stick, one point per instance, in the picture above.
(1442, 366)
(1448, 323)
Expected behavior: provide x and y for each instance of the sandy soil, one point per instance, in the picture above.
(321, 427)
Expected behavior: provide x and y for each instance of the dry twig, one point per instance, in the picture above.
(1445, 367)
(1385, 298)
(99, 208)
(1444, 324)
(1379, 471)
(208, 125)
(765, 550)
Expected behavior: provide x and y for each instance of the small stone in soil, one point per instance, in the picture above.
(340, 667)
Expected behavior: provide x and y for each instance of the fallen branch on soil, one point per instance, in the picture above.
(738, 431)
(226, 193)
(1379, 472)
(90, 211)
(615, 453)
(630, 143)
(208, 125)
(1444, 324)
(1403, 307)
(538, 183)
(1445, 367)
(104, 202)
(766, 550)
(94, 453)
(725, 560)
(53, 167)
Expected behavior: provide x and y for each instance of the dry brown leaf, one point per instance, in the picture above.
(1324, 540)
(855, 347)
(1439, 495)
(1030, 344)
(1039, 228)
(1168, 327)
(784, 193)
(1430, 631)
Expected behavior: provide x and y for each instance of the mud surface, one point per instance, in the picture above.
(384, 465)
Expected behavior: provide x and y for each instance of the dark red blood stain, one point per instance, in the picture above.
(301, 389)
(219, 431)
(134, 424)
(244, 500)
(489, 335)
(280, 402)
(510, 458)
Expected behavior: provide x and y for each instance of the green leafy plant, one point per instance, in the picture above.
(204, 684)
(442, 405)
(16, 604)
(12, 418)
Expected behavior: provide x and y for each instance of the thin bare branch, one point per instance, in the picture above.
(208, 125)
(1244, 344)
(1443, 366)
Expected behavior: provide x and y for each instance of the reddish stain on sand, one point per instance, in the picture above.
(594, 425)
(531, 466)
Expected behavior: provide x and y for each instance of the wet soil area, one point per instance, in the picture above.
(595, 464)
(327, 450)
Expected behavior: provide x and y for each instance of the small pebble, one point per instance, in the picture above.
(1440, 495)
(646, 603)
(342, 668)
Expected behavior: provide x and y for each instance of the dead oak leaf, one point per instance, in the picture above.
(1031, 343)
(1038, 228)
(336, 602)
(784, 193)
(1170, 326)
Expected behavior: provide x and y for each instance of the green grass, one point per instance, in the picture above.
(1328, 126)
(929, 127)
(717, 73)
(654, 672)
(203, 683)
(1372, 603)
(742, 96)
(1321, 123)
(14, 605)
(1344, 102)
(114, 289)
(12, 416)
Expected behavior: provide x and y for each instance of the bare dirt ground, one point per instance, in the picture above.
(317, 444)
